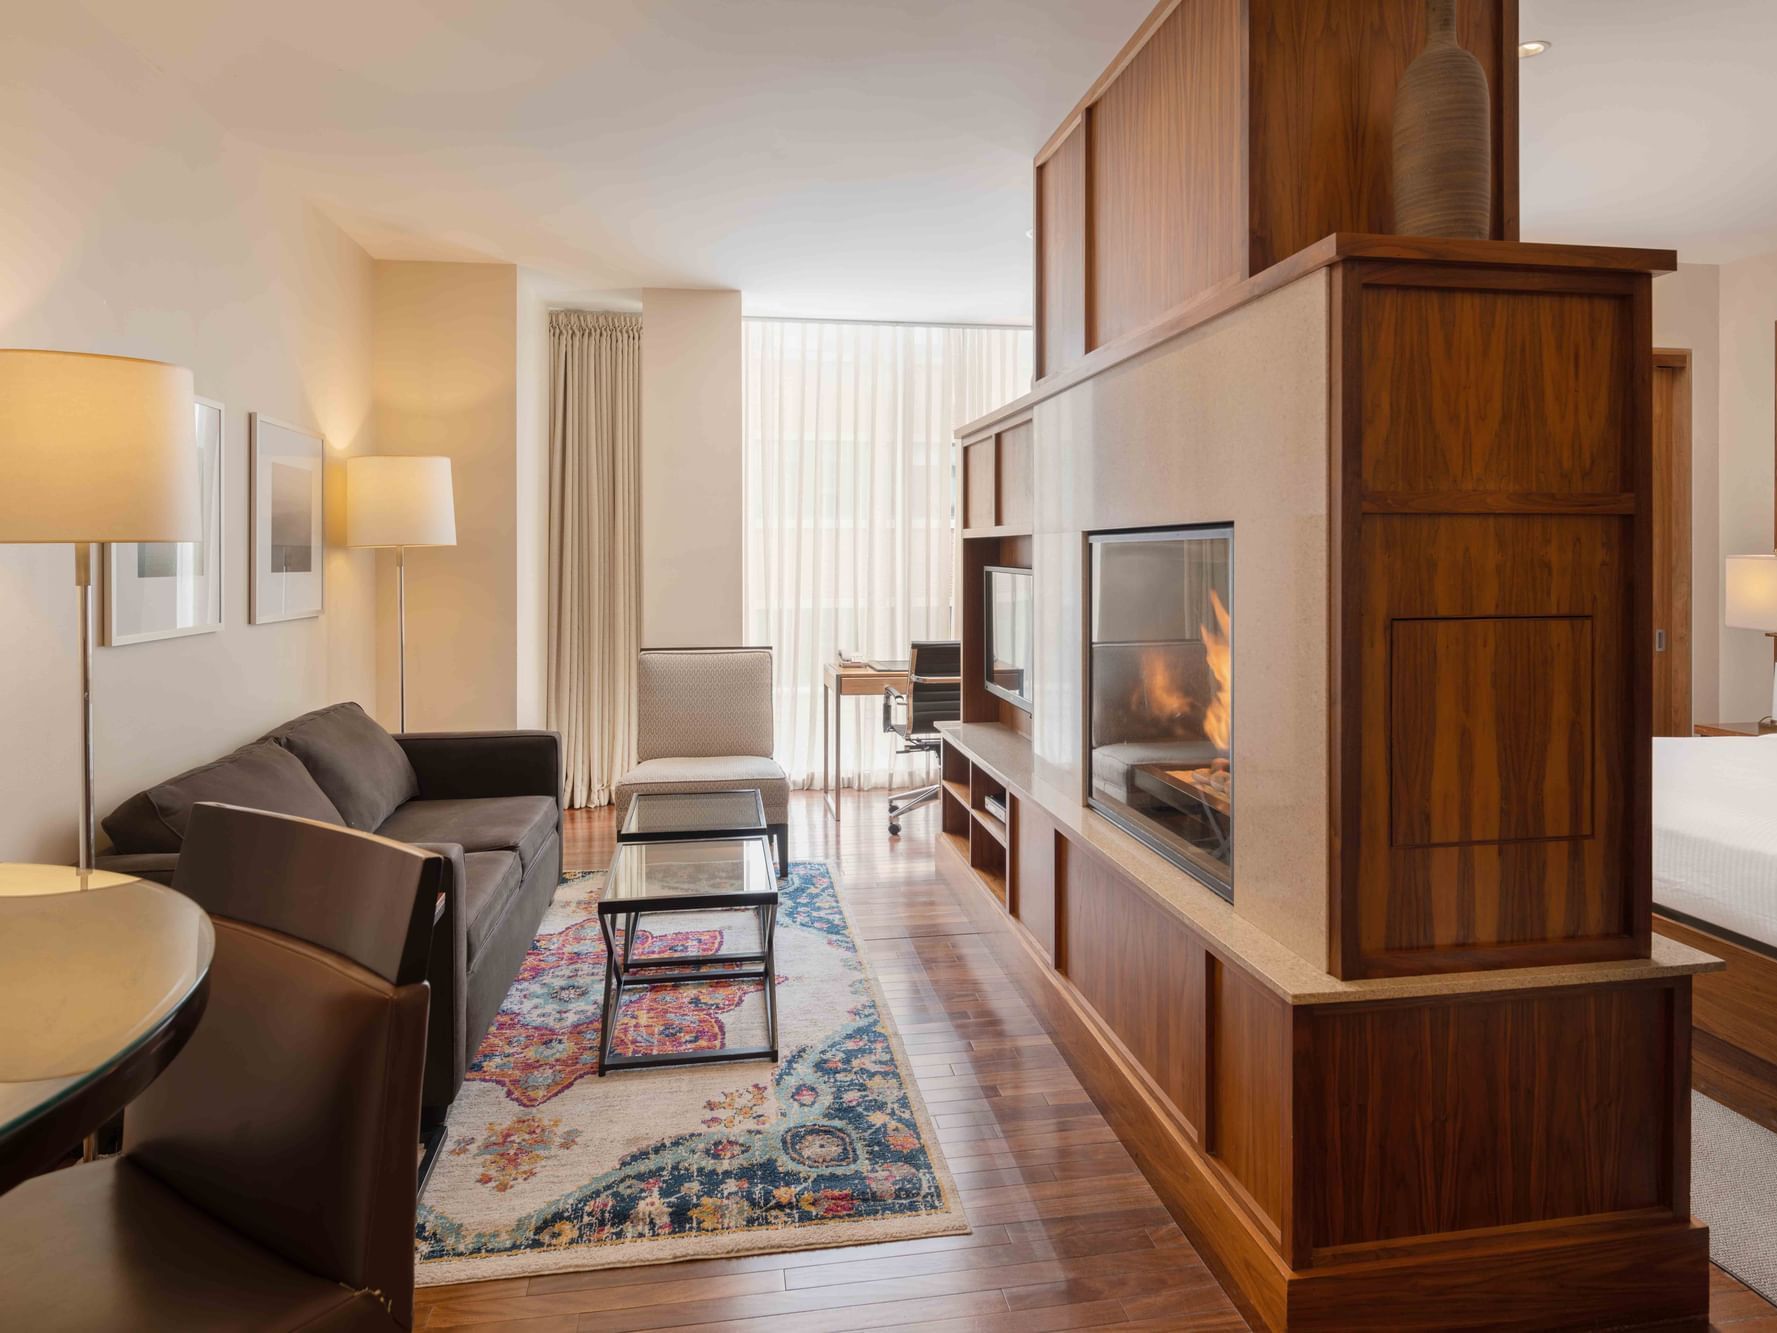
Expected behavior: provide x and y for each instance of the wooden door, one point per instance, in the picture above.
(1672, 543)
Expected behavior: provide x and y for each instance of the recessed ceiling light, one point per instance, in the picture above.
(1531, 48)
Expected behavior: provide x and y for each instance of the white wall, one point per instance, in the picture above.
(1727, 316)
(446, 383)
(692, 510)
(1687, 315)
(1748, 439)
(532, 599)
(133, 225)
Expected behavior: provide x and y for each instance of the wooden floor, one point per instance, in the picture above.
(1067, 1233)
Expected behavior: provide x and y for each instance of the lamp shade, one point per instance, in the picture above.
(398, 500)
(96, 449)
(1752, 592)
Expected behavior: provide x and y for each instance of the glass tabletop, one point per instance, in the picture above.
(90, 969)
(652, 814)
(733, 872)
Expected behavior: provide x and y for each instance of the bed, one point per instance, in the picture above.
(1715, 887)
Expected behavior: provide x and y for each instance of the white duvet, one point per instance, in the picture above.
(1715, 831)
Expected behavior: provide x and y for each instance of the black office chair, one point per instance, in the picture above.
(935, 694)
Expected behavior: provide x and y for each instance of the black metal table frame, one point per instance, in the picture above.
(759, 830)
(622, 970)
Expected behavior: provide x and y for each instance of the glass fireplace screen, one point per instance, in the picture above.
(1161, 693)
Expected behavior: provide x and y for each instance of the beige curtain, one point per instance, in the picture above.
(595, 486)
(851, 506)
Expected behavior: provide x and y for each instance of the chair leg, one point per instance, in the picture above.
(909, 800)
(780, 834)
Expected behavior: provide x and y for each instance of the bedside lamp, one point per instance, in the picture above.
(1752, 604)
(95, 449)
(400, 501)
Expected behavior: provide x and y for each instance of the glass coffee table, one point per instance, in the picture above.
(649, 878)
(682, 816)
(678, 816)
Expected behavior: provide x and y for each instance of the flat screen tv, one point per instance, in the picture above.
(1009, 635)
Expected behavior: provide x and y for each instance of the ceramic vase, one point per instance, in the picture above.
(1443, 151)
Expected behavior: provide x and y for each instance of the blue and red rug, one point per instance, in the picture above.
(548, 1168)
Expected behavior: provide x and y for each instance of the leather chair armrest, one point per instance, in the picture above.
(447, 971)
(157, 866)
(469, 764)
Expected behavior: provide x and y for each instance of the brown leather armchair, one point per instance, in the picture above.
(267, 1177)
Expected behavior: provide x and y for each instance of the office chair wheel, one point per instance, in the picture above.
(894, 829)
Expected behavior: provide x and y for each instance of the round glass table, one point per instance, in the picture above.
(102, 980)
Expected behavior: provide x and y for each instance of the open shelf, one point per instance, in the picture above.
(981, 840)
(992, 825)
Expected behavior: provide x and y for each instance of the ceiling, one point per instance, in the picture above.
(862, 158)
(1650, 122)
(867, 158)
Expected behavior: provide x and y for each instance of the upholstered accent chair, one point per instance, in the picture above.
(704, 723)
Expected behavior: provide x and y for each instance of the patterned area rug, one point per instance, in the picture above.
(548, 1168)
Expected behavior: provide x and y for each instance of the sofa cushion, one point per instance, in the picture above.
(519, 824)
(491, 885)
(360, 766)
(710, 773)
(261, 776)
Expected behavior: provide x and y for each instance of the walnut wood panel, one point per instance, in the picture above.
(1491, 390)
(1550, 585)
(1166, 204)
(979, 503)
(1143, 973)
(1249, 1070)
(1635, 1272)
(1322, 77)
(1016, 446)
(1490, 779)
(1487, 1111)
(1672, 541)
(1490, 730)
(1608, 1269)
(1063, 244)
(1033, 873)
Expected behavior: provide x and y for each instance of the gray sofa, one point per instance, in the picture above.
(489, 801)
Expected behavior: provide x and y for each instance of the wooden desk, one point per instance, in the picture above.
(840, 683)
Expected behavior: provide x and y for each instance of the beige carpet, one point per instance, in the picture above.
(1734, 1190)
(548, 1168)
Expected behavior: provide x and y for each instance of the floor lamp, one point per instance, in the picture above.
(400, 501)
(95, 449)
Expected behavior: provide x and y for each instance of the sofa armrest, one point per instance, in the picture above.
(447, 971)
(157, 866)
(469, 764)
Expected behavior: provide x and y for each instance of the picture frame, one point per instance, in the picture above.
(287, 511)
(170, 590)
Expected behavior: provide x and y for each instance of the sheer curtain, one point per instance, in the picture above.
(851, 505)
(595, 479)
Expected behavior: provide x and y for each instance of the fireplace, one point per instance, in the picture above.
(1159, 682)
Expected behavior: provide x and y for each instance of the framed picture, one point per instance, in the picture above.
(286, 563)
(165, 590)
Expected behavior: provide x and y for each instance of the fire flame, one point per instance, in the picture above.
(1216, 717)
(1159, 694)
